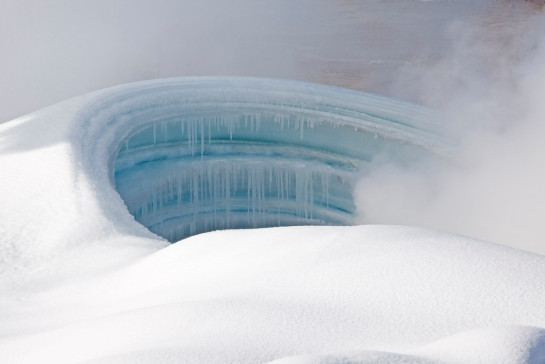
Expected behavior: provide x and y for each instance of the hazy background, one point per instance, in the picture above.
(489, 85)
(481, 62)
(51, 50)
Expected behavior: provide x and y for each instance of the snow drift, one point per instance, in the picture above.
(84, 278)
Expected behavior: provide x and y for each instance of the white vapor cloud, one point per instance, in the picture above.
(490, 88)
(56, 49)
(51, 50)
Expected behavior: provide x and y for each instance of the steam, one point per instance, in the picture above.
(57, 49)
(491, 90)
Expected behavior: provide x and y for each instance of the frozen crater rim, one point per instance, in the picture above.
(282, 115)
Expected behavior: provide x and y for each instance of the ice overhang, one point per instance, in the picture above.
(202, 154)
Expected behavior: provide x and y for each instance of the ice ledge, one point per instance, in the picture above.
(203, 154)
(82, 143)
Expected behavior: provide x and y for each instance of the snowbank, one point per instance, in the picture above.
(82, 281)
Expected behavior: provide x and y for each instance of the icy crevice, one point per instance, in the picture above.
(232, 176)
(203, 154)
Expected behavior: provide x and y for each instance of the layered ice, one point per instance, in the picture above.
(241, 153)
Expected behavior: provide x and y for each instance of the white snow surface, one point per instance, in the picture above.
(83, 282)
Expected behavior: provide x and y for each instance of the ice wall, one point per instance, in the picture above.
(218, 153)
(180, 156)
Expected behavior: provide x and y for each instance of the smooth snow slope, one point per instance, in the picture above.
(82, 281)
(371, 294)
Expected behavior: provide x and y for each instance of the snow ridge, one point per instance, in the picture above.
(83, 281)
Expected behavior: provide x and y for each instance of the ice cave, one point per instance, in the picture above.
(98, 185)
(223, 153)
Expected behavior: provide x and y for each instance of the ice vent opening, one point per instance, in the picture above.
(233, 159)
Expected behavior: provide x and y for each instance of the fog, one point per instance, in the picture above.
(53, 50)
(489, 87)
(480, 63)
(56, 49)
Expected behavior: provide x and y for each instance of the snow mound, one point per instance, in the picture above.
(82, 281)
(249, 296)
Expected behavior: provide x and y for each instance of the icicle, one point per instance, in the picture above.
(202, 139)
(208, 192)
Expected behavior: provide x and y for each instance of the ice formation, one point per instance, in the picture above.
(82, 281)
(207, 154)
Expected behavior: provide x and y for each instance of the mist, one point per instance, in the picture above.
(489, 88)
(56, 49)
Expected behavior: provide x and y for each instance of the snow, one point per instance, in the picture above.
(256, 296)
(507, 344)
(83, 281)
